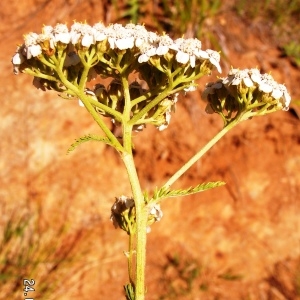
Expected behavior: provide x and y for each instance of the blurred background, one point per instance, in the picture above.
(240, 241)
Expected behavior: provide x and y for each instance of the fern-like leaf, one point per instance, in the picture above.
(86, 138)
(162, 193)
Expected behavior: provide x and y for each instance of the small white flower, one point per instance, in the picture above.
(120, 37)
(61, 34)
(280, 93)
(32, 48)
(152, 37)
(156, 211)
(266, 84)
(255, 75)
(237, 77)
(242, 77)
(214, 58)
(164, 44)
(183, 57)
(45, 38)
(187, 50)
(99, 32)
(18, 58)
(147, 50)
(139, 33)
(47, 29)
(82, 33)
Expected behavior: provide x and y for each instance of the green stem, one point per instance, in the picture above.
(199, 154)
(140, 207)
(141, 226)
(85, 99)
(130, 257)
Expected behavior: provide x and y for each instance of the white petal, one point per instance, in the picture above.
(162, 50)
(75, 37)
(87, 40)
(236, 81)
(216, 64)
(112, 42)
(287, 99)
(276, 93)
(18, 58)
(182, 57)
(34, 51)
(202, 54)
(63, 37)
(193, 61)
(248, 82)
(266, 88)
(125, 43)
(143, 58)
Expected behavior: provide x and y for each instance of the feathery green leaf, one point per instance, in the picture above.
(162, 193)
(86, 138)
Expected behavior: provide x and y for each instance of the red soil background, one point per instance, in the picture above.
(243, 239)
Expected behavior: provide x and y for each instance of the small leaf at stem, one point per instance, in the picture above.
(167, 193)
(86, 138)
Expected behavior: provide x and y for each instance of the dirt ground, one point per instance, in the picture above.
(240, 241)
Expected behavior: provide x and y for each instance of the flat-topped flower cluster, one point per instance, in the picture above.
(246, 91)
(119, 37)
(64, 60)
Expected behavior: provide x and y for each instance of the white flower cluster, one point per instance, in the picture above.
(252, 79)
(145, 43)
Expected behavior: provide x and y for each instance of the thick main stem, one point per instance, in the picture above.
(141, 225)
(199, 154)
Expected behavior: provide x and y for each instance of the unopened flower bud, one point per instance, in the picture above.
(123, 213)
(115, 92)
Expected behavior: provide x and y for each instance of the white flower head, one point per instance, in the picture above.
(277, 91)
(239, 77)
(32, 47)
(139, 33)
(147, 50)
(61, 33)
(82, 33)
(255, 75)
(47, 37)
(120, 37)
(164, 44)
(214, 58)
(187, 50)
(47, 29)
(266, 83)
(99, 31)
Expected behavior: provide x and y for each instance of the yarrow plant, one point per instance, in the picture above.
(146, 73)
